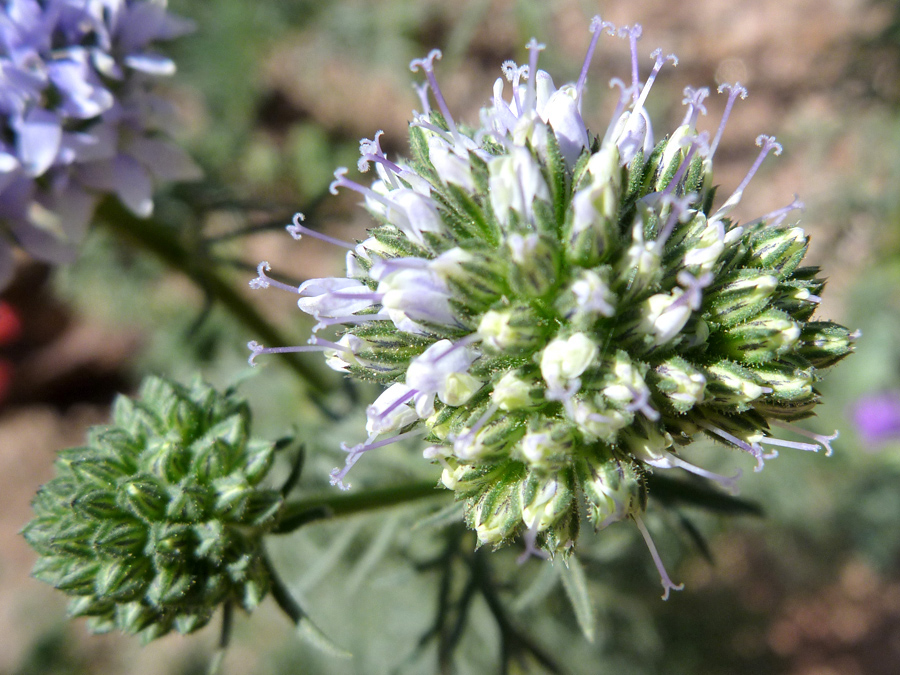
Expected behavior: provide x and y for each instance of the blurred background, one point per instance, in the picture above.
(275, 94)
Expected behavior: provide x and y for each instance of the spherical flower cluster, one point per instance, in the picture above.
(79, 119)
(558, 312)
(159, 519)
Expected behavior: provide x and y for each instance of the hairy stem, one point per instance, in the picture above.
(333, 505)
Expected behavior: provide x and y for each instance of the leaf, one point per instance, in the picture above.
(449, 515)
(673, 490)
(575, 583)
(539, 589)
(312, 634)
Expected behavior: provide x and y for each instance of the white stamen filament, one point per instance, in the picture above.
(597, 26)
(427, 65)
(353, 455)
(262, 281)
(821, 439)
(734, 90)
(667, 583)
(297, 230)
(534, 48)
(693, 99)
(258, 349)
(755, 449)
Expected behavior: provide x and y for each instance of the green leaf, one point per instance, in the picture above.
(695, 493)
(575, 583)
(312, 634)
(449, 515)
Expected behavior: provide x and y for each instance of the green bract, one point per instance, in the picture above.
(158, 519)
(557, 312)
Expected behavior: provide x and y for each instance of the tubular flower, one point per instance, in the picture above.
(557, 313)
(79, 118)
(160, 518)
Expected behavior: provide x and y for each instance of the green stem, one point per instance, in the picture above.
(297, 513)
(152, 236)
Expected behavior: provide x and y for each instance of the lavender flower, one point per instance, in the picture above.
(877, 417)
(556, 313)
(79, 118)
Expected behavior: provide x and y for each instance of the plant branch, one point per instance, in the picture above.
(155, 237)
(297, 513)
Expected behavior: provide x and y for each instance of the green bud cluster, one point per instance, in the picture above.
(158, 520)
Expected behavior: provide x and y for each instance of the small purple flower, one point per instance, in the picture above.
(78, 119)
(877, 417)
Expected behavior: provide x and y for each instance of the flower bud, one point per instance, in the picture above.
(761, 339)
(680, 382)
(564, 360)
(516, 392)
(161, 545)
(546, 499)
(510, 330)
(591, 231)
(534, 262)
(545, 448)
(823, 343)
(740, 296)
(729, 384)
(496, 515)
(777, 249)
(613, 488)
(788, 383)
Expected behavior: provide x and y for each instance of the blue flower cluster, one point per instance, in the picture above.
(79, 119)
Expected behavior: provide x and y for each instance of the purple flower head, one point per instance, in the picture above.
(877, 417)
(78, 118)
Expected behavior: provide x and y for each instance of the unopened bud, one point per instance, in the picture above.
(681, 383)
(761, 339)
(730, 384)
(780, 250)
(742, 294)
(823, 343)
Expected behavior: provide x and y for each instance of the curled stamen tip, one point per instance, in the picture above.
(826, 441)
(509, 69)
(296, 229)
(768, 143)
(616, 82)
(337, 480)
(257, 349)
(261, 281)
(425, 64)
(669, 586)
(657, 55)
(633, 32)
(735, 89)
(338, 181)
